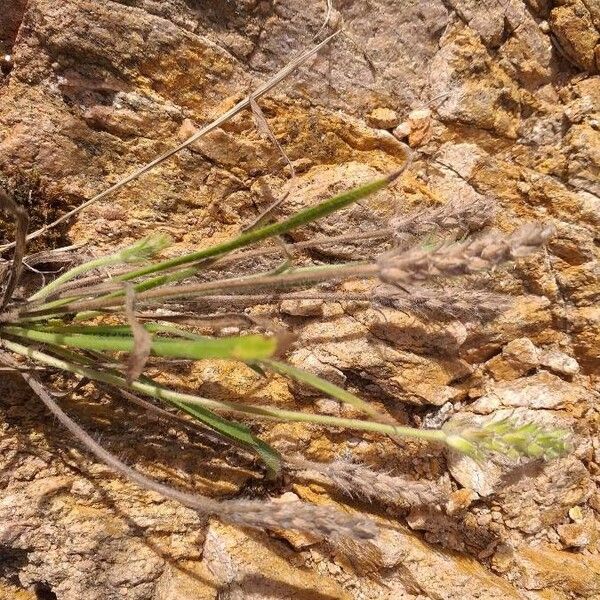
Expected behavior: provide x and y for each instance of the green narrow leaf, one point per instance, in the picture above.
(122, 330)
(237, 432)
(245, 348)
(322, 385)
(303, 217)
(253, 236)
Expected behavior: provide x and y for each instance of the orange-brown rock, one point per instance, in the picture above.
(499, 100)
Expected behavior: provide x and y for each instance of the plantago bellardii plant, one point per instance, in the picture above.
(53, 328)
(84, 320)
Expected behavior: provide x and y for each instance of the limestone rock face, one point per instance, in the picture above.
(499, 99)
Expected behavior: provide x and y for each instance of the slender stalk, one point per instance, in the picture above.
(232, 430)
(250, 237)
(98, 263)
(138, 288)
(267, 298)
(324, 386)
(188, 401)
(142, 250)
(285, 275)
(299, 276)
(200, 503)
(322, 521)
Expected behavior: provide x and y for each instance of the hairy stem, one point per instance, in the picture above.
(98, 263)
(306, 275)
(188, 400)
(82, 286)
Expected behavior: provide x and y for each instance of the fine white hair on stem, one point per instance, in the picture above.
(324, 522)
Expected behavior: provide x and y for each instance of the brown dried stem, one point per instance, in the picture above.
(317, 520)
(8, 205)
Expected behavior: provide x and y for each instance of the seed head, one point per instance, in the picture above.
(456, 214)
(468, 305)
(464, 258)
(509, 438)
(323, 521)
(359, 481)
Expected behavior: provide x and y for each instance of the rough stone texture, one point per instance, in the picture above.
(499, 99)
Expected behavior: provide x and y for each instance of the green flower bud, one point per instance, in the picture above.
(463, 445)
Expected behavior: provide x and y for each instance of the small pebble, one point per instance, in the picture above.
(559, 362)
(6, 64)
(383, 118)
(576, 513)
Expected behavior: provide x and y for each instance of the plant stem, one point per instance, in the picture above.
(299, 276)
(324, 386)
(97, 263)
(250, 347)
(184, 400)
(253, 236)
(89, 285)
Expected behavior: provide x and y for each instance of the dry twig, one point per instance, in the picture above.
(257, 93)
(8, 205)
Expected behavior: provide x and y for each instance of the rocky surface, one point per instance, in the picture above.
(499, 100)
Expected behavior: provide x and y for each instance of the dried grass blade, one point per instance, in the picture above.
(265, 130)
(8, 205)
(326, 20)
(260, 91)
(142, 340)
